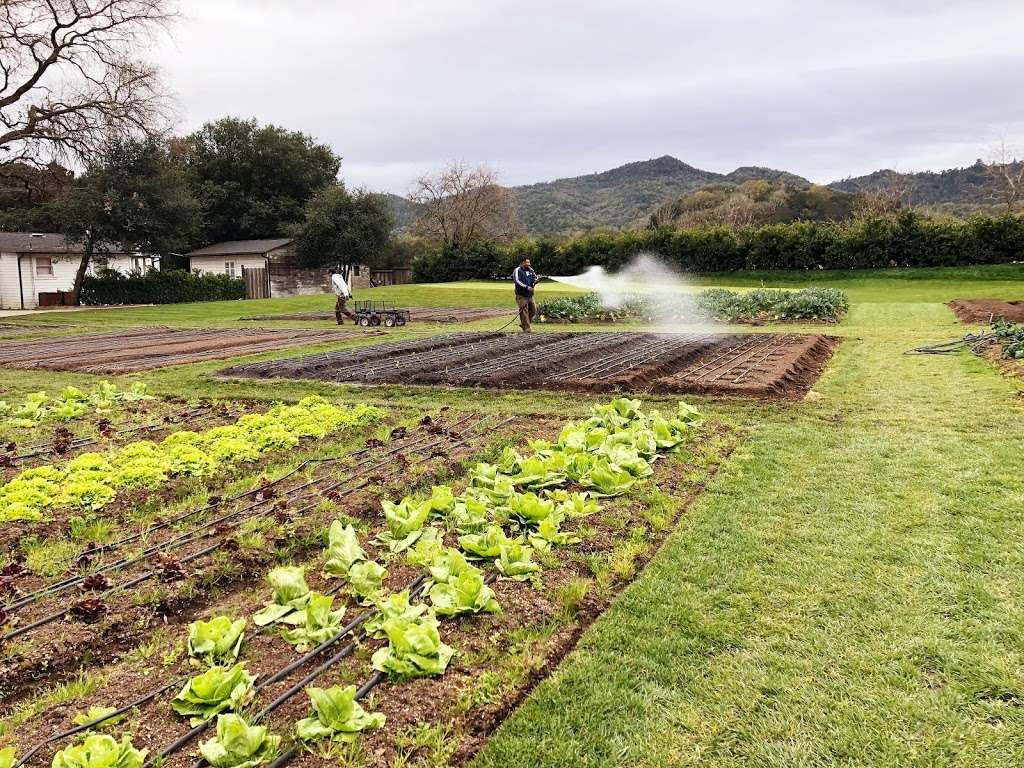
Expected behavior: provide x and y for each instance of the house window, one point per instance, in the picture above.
(44, 266)
(357, 270)
(229, 269)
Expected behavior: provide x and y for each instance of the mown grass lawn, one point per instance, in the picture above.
(847, 591)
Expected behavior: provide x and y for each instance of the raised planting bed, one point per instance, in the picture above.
(772, 366)
(419, 314)
(510, 617)
(142, 349)
(987, 310)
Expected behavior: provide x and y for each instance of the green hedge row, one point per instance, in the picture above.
(157, 287)
(908, 239)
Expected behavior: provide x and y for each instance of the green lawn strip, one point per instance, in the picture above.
(847, 591)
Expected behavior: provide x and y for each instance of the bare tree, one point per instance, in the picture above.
(1005, 177)
(71, 77)
(887, 194)
(459, 205)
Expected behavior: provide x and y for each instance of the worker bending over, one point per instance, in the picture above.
(342, 291)
(525, 279)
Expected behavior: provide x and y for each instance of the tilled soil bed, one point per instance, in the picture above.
(987, 310)
(770, 366)
(418, 314)
(143, 349)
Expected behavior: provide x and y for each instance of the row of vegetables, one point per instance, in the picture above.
(72, 403)
(93, 480)
(510, 510)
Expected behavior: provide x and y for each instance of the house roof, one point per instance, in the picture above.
(242, 247)
(38, 242)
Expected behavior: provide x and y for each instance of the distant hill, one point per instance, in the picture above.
(627, 196)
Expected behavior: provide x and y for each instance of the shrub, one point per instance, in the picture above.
(158, 287)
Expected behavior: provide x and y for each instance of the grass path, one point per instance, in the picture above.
(847, 592)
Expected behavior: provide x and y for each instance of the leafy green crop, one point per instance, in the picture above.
(8, 757)
(396, 606)
(72, 403)
(515, 561)
(414, 649)
(239, 745)
(343, 550)
(321, 623)
(336, 715)
(216, 640)
(405, 522)
(366, 578)
(486, 545)
(98, 750)
(428, 546)
(95, 713)
(291, 593)
(465, 593)
(214, 691)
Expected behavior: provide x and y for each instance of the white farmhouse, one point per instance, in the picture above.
(37, 269)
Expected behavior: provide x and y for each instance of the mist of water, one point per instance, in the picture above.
(666, 295)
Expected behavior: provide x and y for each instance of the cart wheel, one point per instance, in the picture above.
(400, 321)
(364, 321)
(375, 320)
(389, 321)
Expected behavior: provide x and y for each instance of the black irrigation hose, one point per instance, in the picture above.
(205, 551)
(190, 536)
(974, 341)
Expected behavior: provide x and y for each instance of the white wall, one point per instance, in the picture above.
(63, 278)
(215, 264)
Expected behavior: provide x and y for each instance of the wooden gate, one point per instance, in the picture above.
(257, 282)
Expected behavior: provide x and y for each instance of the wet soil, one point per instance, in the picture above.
(418, 314)
(756, 365)
(987, 310)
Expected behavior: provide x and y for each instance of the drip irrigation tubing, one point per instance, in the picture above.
(414, 588)
(190, 536)
(144, 699)
(206, 550)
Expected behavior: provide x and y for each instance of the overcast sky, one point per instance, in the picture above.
(549, 88)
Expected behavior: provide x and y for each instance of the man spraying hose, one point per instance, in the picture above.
(340, 287)
(525, 279)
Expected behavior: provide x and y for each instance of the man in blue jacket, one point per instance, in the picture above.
(525, 279)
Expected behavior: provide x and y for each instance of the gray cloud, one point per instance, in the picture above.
(548, 89)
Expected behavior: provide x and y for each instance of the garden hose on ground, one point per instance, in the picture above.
(976, 342)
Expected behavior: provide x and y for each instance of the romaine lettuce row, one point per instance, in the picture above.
(239, 745)
(216, 690)
(336, 716)
(98, 750)
(343, 550)
(321, 623)
(515, 561)
(414, 649)
(463, 594)
(216, 640)
(291, 593)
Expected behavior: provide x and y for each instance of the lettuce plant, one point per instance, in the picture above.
(442, 500)
(8, 757)
(414, 649)
(468, 515)
(530, 509)
(485, 545)
(573, 505)
(448, 565)
(239, 745)
(95, 713)
(216, 640)
(549, 533)
(608, 479)
(291, 593)
(336, 716)
(321, 623)
(462, 594)
(429, 545)
(214, 691)
(99, 750)
(515, 561)
(366, 578)
(343, 550)
(396, 606)
(405, 522)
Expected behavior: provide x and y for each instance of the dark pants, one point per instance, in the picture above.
(340, 309)
(527, 311)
